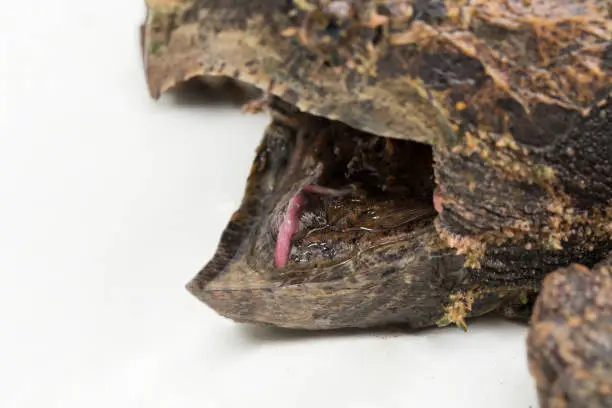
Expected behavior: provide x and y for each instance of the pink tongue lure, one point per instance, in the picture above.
(287, 229)
(290, 223)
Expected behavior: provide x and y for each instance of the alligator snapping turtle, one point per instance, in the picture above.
(427, 161)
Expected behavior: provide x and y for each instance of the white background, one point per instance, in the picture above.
(110, 202)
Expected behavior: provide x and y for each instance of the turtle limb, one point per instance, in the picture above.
(570, 339)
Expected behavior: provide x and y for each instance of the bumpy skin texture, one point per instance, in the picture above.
(406, 69)
(570, 340)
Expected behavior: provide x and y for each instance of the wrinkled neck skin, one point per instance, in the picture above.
(336, 230)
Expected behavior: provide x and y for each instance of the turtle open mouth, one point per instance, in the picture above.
(342, 190)
(336, 229)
